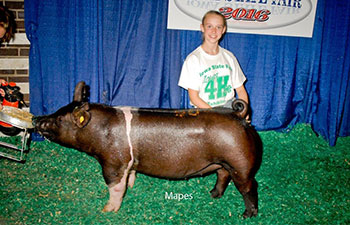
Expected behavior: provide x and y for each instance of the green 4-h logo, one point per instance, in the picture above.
(218, 87)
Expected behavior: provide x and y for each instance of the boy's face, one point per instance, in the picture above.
(213, 28)
(2, 31)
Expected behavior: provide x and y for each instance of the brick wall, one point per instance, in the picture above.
(14, 62)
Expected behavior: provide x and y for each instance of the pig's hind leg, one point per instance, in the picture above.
(223, 179)
(248, 187)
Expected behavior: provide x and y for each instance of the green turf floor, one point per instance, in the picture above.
(301, 181)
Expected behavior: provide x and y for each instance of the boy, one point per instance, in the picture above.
(211, 74)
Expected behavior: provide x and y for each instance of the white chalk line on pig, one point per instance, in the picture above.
(128, 118)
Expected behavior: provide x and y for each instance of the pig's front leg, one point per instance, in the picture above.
(116, 193)
(117, 186)
(132, 177)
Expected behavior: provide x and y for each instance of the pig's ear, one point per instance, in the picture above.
(81, 115)
(81, 92)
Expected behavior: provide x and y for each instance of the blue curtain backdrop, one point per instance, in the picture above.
(123, 50)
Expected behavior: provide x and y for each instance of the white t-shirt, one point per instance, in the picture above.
(214, 76)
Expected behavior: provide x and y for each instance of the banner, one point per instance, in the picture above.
(271, 17)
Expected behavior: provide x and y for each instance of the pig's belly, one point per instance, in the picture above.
(176, 152)
(172, 172)
(175, 167)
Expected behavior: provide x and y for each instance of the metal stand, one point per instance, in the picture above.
(24, 146)
(17, 118)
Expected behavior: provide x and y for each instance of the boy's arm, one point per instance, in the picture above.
(196, 100)
(242, 94)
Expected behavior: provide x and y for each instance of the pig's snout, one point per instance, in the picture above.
(35, 120)
(44, 126)
(40, 122)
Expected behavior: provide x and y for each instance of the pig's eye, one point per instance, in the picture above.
(59, 120)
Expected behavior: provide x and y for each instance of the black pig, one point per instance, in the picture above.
(171, 144)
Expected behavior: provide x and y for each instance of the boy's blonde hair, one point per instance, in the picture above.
(214, 12)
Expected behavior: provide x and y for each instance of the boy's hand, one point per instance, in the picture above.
(2, 92)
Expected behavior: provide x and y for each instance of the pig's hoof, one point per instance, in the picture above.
(110, 208)
(250, 213)
(215, 193)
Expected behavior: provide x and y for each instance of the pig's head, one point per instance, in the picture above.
(62, 126)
